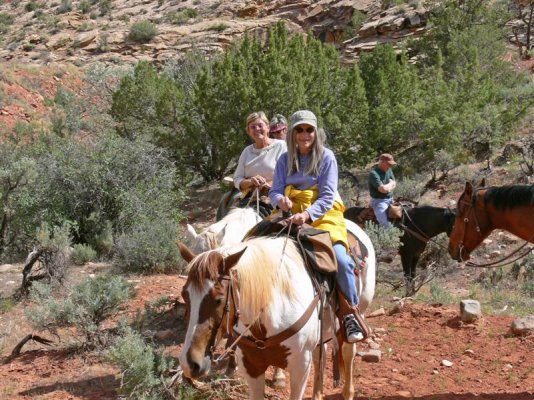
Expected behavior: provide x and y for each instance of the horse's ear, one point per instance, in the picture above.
(191, 231)
(232, 259)
(468, 189)
(482, 183)
(187, 254)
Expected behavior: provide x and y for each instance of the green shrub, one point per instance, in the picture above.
(219, 27)
(142, 31)
(6, 305)
(182, 17)
(439, 294)
(410, 188)
(90, 303)
(104, 6)
(84, 6)
(147, 247)
(82, 253)
(6, 19)
(385, 240)
(64, 7)
(141, 366)
(31, 6)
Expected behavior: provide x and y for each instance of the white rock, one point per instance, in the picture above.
(446, 363)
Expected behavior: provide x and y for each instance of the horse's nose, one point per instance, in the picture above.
(198, 368)
(195, 369)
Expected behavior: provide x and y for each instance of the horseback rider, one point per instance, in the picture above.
(305, 183)
(278, 127)
(381, 185)
(255, 168)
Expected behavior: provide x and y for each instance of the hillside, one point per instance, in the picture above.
(88, 31)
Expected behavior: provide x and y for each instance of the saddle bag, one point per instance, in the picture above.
(318, 250)
(315, 244)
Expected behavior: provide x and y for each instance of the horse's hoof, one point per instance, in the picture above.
(337, 383)
(230, 372)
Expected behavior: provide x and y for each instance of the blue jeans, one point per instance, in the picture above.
(380, 207)
(345, 277)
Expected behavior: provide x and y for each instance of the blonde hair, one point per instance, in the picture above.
(257, 115)
(316, 153)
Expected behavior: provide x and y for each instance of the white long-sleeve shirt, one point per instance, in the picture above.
(253, 161)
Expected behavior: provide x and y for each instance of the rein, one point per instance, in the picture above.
(493, 264)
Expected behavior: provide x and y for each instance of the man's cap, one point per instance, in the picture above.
(278, 123)
(387, 158)
(303, 117)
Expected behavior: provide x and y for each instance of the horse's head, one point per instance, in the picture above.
(470, 227)
(206, 294)
(206, 240)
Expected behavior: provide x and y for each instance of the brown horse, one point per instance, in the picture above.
(482, 210)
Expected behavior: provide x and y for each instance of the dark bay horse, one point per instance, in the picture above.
(419, 224)
(482, 210)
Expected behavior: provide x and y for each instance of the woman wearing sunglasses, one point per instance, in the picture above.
(305, 183)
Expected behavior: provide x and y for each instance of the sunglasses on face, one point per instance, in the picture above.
(300, 129)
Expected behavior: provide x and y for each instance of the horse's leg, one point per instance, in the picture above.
(279, 378)
(256, 387)
(317, 391)
(348, 351)
(300, 367)
(408, 267)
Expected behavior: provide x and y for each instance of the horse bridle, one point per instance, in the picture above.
(494, 264)
(472, 207)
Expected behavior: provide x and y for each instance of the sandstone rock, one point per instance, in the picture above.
(470, 310)
(372, 355)
(523, 326)
(84, 39)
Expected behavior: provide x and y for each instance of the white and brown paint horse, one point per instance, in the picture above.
(231, 229)
(266, 281)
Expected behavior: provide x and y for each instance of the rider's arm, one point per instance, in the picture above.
(327, 183)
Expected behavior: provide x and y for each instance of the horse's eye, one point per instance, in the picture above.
(219, 301)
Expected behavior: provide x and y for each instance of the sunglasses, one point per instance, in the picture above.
(300, 129)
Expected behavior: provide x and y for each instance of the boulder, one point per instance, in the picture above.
(523, 326)
(470, 310)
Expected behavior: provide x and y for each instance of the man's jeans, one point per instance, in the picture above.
(380, 207)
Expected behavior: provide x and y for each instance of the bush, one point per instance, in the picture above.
(6, 19)
(104, 6)
(219, 27)
(64, 7)
(31, 6)
(89, 304)
(385, 240)
(141, 366)
(182, 17)
(142, 31)
(148, 246)
(84, 6)
(82, 253)
(410, 188)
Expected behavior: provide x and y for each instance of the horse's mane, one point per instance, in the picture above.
(204, 266)
(509, 196)
(265, 270)
(261, 271)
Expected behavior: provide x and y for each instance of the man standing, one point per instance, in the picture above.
(381, 185)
